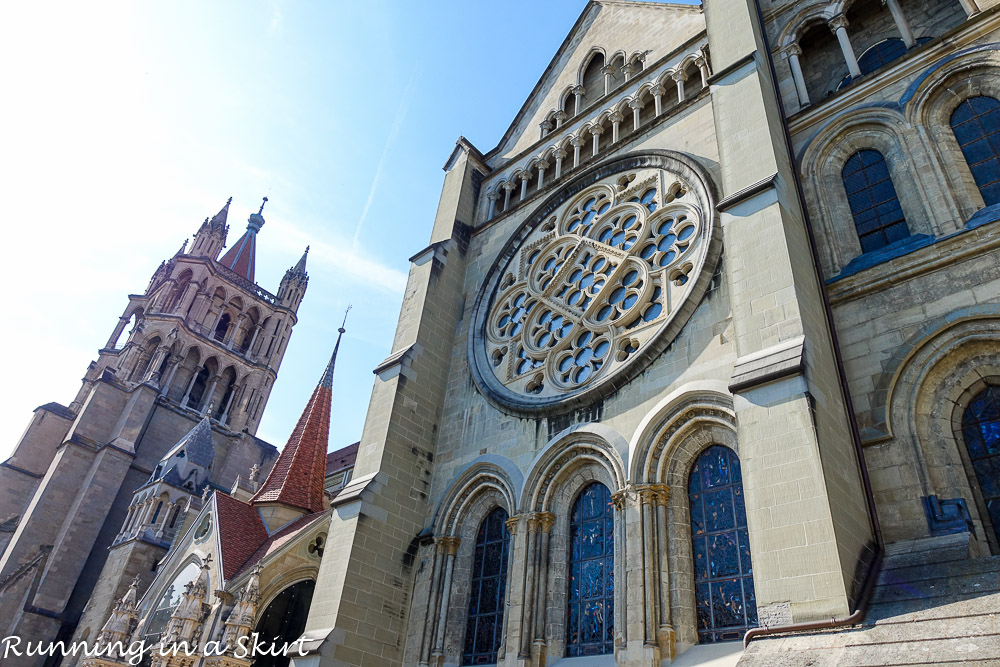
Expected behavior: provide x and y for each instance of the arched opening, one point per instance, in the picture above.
(283, 621)
(878, 217)
(487, 591)
(174, 298)
(976, 124)
(198, 388)
(723, 573)
(617, 75)
(823, 64)
(171, 597)
(593, 81)
(156, 513)
(590, 626)
(222, 327)
(981, 432)
(228, 385)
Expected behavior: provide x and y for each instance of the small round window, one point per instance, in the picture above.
(592, 285)
(204, 528)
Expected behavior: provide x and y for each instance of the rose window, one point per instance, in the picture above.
(591, 284)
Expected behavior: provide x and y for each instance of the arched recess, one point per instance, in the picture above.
(283, 620)
(573, 460)
(668, 444)
(165, 600)
(822, 163)
(592, 78)
(929, 104)
(488, 483)
(926, 387)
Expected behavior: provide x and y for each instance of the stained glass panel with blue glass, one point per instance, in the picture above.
(483, 630)
(878, 217)
(981, 430)
(723, 574)
(976, 123)
(591, 574)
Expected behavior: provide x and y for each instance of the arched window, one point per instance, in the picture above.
(222, 327)
(156, 513)
(878, 216)
(171, 597)
(484, 629)
(723, 575)
(283, 621)
(198, 388)
(590, 622)
(981, 432)
(976, 124)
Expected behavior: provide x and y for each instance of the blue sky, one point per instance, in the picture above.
(125, 124)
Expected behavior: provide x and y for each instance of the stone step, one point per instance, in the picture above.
(965, 584)
(943, 607)
(953, 650)
(938, 570)
(927, 629)
(927, 557)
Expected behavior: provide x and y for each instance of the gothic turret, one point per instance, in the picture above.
(294, 283)
(211, 236)
(295, 485)
(242, 257)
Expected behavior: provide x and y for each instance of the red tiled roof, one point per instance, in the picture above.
(298, 477)
(241, 258)
(279, 539)
(341, 458)
(241, 532)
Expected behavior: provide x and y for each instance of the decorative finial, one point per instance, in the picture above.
(307, 250)
(229, 201)
(205, 492)
(261, 211)
(254, 472)
(342, 329)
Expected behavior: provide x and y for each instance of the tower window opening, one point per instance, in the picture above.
(976, 124)
(878, 216)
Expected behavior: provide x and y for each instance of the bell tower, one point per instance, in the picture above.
(196, 353)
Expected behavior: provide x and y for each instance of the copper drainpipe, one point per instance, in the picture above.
(876, 565)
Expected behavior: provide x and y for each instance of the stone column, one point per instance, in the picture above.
(657, 92)
(508, 187)
(187, 392)
(542, 166)
(559, 154)
(628, 69)
(608, 72)
(578, 93)
(701, 62)
(152, 370)
(616, 118)
(618, 498)
(165, 385)
(229, 403)
(901, 23)
(116, 334)
(233, 330)
(596, 132)
(679, 78)
(560, 118)
(207, 398)
(530, 575)
(793, 51)
(492, 199)
(433, 602)
(649, 571)
(665, 635)
(163, 522)
(451, 548)
(637, 106)
(838, 24)
(576, 142)
(515, 574)
(253, 339)
(546, 127)
(545, 521)
(525, 176)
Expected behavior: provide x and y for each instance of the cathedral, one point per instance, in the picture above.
(701, 365)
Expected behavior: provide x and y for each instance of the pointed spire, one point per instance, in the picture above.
(223, 215)
(300, 266)
(297, 477)
(242, 257)
(183, 248)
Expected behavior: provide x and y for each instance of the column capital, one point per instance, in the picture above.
(545, 520)
(543, 164)
(524, 175)
(792, 49)
(608, 69)
(560, 116)
(509, 186)
(657, 89)
(513, 522)
(546, 125)
(597, 129)
(837, 22)
(448, 544)
(559, 153)
(578, 90)
(618, 499)
(679, 75)
(616, 116)
(662, 492)
(493, 196)
(636, 104)
(578, 141)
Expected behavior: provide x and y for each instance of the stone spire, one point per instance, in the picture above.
(211, 236)
(300, 267)
(294, 283)
(114, 637)
(185, 623)
(242, 257)
(296, 480)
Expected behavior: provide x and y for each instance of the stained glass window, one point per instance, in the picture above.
(976, 123)
(723, 574)
(590, 623)
(283, 622)
(981, 431)
(878, 216)
(484, 628)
